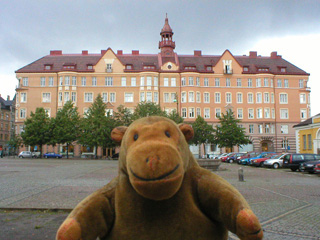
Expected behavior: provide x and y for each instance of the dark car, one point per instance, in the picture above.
(294, 160)
(308, 166)
(52, 155)
(234, 157)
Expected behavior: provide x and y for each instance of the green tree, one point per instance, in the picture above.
(229, 133)
(15, 142)
(203, 133)
(174, 116)
(37, 129)
(96, 127)
(146, 109)
(123, 116)
(66, 125)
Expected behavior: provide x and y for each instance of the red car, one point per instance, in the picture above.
(224, 158)
(317, 168)
(259, 161)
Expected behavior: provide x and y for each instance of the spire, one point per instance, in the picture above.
(166, 44)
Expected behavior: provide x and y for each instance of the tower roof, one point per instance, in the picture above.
(166, 27)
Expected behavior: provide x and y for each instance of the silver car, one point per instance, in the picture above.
(275, 162)
(25, 154)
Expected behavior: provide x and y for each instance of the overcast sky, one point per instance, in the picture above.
(31, 28)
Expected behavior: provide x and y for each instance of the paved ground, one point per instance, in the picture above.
(287, 204)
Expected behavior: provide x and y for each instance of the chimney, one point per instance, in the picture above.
(252, 54)
(275, 55)
(55, 52)
(8, 97)
(119, 52)
(197, 53)
(135, 52)
(84, 52)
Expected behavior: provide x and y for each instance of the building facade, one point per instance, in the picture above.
(7, 121)
(267, 93)
(308, 135)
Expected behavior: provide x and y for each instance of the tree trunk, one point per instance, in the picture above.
(67, 150)
(40, 150)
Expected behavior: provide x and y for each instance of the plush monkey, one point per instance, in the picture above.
(160, 193)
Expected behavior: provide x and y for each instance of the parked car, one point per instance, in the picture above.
(247, 155)
(221, 155)
(259, 162)
(293, 160)
(52, 155)
(274, 161)
(317, 168)
(234, 157)
(224, 158)
(246, 161)
(212, 155)
(309, 166)
(25, 154)
(36, 154)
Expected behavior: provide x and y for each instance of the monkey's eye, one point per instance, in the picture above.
(135, 137)
(167, 134)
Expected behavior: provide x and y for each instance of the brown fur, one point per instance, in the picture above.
(161, 193)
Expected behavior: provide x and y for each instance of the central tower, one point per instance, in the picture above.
(166, 44)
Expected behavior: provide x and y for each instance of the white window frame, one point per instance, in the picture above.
(108, 81)
(303, 113)
(250, 82)
(88, 97)
(83, 81)
(133, 81)
(267, 113)
(173, 82)
(206, 97)
(228, 82)
(258, 82)
(284, 113)
(166, 97)
(94, 81)
(166, 82)
(303, 98)
(250, 99)
(184, 112)
(191, 81)
(112, 97)
(105, 97)
(50, 81)
(217, 113)
(250, 113)
(259, 113)
(123, 81)
(206, 82)
(239, 83)
(228, 97)
(74, 96)
(46, 97)
(240, 113)
(191, 96)
(23, 97)
(217, 82)
(206, 113)
(183, 97)
(198, 97)
(283, 98)
(128, 97)
(42, 81)
(191, 112)
(266, 97)
(239, 97)
(217, 97)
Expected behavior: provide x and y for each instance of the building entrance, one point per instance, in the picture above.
(267, 146)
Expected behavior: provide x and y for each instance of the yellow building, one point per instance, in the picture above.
(308, 135)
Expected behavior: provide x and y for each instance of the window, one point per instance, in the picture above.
(23, 97)
(198, 81)
(191, 112)
(228, 98)
(173, 82)
(266, 82)
(279, 83)
(74, 81)
(22, 113)
(142, 81)
(88, 97)
(304, 141)
(251, 128)
(227, 69)
(142, 97)
(83, 81)
(206, 82)
(173, 97)
(73, 96)
(217, 82)
(259, 113)
(155, 81)
(284, 113)
(191, 81)
(94, 81)
(183, 81)
(250, 97)
(271, 82)
(109, 81)
(183, 97)
(128, 66)
(302, 98)
(155, 97)
(239, 98)
(25, 81)
(300, 83)
(66, 96)
(239, 82)
(108, 67)
(240, 113)
(260, 128)
(50, 81)
(251, 113)
(198, 113)
(128, 97)
(272, 97)
(105, 97)
(109, 112)
(60, 81)
(207, 113)
(309, 141)
(67, 80)
(217, 98)
(184, 112)
(272, 128)
(198, 97)
(149, 81)
(46, 97)
(60, 96)
(303, 113)
(133, 81)
(259, 97)
(266, 98)
(249, 82)
(245, 69)
(191, 96)
(267, 128)
(42, 81)
(206, 97)
(267, 112)
(166, 97)
(218, 112)
(286, 83)
(123, 81)
(258, 82)
(228, 82)
(149, 96)
(284, 129)
(283, 98)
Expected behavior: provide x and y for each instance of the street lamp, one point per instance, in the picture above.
(176, 101)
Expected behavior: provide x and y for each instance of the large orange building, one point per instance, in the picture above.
(267, 93)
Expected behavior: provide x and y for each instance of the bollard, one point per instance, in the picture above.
(241, 177)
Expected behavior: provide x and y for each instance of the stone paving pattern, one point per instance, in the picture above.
(287, 203)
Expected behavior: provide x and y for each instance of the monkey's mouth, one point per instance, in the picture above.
(157, 178)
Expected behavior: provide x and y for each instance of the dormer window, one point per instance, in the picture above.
(245, 69)
(227, 66)
(263, 69)
(108, 67)
(209, 68)
(283, 69)
(47, 66)
(189, 68)
(89, 66)
(149, 67)
(129, 67)
(69, 66)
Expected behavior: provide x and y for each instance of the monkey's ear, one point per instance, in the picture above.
(117, 133)
(187, 131)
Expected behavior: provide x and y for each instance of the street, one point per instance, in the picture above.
(36, 195)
